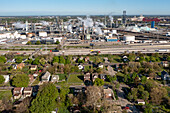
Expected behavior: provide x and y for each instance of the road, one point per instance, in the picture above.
(120, 50)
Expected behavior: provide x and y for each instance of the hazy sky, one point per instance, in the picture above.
(84, 7)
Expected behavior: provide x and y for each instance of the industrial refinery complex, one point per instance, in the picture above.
(83, 31)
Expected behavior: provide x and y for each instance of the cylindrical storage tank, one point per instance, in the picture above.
(128, 38)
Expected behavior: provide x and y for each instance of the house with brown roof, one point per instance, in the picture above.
(140, 101)
(86, 59)
(94, 76)
(87, 77)
(108, 94)
(27, 92)
(46, 77)
(165, 63)
(20, 66)
(17, 92)
(33, 67)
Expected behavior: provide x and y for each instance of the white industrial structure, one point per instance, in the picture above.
(43, 34)
(128, 38)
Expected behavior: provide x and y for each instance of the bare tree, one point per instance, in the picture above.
(93, 96)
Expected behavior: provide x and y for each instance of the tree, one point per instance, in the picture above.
(157, 94)
(110, 78)
(93, 97)
(98, 82)
(18, 59)
(2, 79)
(45, 100)
(42, 61)
(148, 108)
(61, 60)
(20, 80)
(57, 42)
(29, 43)
(38, 42)
(67, 60)
(55, 59)
(143, 79)
(36, 61)
(67, 68)
(133, 94)
(2, 59)
(145, 95)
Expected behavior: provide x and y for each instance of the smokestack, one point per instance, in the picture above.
(124, 18)
(83, 31)
(26, 25)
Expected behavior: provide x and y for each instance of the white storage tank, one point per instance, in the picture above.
(129, 38)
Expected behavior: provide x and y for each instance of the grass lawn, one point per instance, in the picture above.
(5, 94)
(62, 76)
(75, 79)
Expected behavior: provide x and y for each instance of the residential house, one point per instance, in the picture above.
(81, 58)
(137, 58)
(125, 59)
(14, 66)
(54, 78)
(106, 60)
(100, 65)
(165, 64)
(158, 78)
(111, 71)
(20, 66)
(33, 67)
(6, 77)
(165, 75)
(86, 59)
(87, 77)
(94, 76)
(102, 76)
(140, 101)
(80, 67)
(17, 92)
(46, 77)
(108, 94)
(27, 92)
(11, 61)
(74, 59)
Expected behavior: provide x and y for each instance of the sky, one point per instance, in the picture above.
(83, 7)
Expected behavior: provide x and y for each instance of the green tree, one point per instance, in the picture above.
(67, 60)
(98, 82)
(20, 80)
(38, 42)
(36, 61)
(2, 79)
(145, 95)
(55, 59)
(148, 109)
(29, 61)
(110, 78)
(42, 61)
(64, 99)
(2, 59)
(62, 60)
(29, 43)
(18, 59)
(168, 58)
(57, 42)
(143, 79)
(45, 101)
